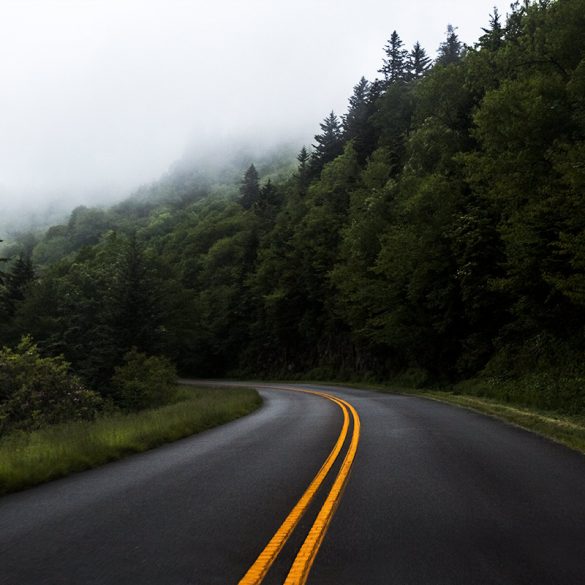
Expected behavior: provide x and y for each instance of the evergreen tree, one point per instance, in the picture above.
(128, 313)
(303, 170)
(375, 91)
(394, 65)
(418, 62)
(20, 276)
(357, 123)
(358, 111)
(392, 120)
(447, 236)
(2, 261)
(303, 158)
(494, 35)
(515, 19)
(250, 188)
(134, 299)
(329, 144)
(451, 49)
(268, 200)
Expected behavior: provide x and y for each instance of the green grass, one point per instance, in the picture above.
(565, 429)
(27, 459)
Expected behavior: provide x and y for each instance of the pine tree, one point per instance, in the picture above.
(303, 170)
(394, 65)
(418, 62)
(250, 188)
(451, 49)
(375, 91)
(358, 111)
(303, 158)
(357, 123)
(268, 200)
(17, 280)
(494, 35)
(329, 144)
(133, 300)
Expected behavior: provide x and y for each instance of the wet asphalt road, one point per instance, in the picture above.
(437, 495)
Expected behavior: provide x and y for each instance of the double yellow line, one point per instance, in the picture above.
(303, 562)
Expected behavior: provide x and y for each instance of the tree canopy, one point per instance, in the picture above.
(436, 231)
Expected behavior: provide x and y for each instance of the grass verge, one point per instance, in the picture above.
(27, 459)
(565, 429)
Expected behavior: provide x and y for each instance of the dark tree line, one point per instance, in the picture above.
(435, 231)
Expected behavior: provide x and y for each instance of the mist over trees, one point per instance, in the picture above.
(435, 232)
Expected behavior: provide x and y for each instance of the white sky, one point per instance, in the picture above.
(98, 96)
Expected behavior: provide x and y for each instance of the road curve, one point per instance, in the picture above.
(436, 495)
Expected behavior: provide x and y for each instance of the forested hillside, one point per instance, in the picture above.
(435, 232)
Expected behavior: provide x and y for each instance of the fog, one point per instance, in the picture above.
(100, 96)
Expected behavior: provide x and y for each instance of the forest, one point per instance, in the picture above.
(433, 235)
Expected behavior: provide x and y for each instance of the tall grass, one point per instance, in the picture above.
(27, 459)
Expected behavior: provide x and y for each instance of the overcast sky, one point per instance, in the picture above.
(98, 96)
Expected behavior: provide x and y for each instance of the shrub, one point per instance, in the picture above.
(36, 391)
(143, 381)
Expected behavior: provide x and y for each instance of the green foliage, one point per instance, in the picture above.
(329, 143)
(418, 62)
(394, 66)
(450, 50)
(435, 232)
(27, 459)
(143, 381)
(250, 189)
(19, 277)
(36, 391)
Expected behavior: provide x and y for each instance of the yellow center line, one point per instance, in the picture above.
(260, 568)
(305, 558)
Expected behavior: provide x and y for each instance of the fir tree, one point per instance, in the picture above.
(394, 65)
(133, 311)
(17, 280)
(268, 200)
(357, 123)
(358, 111)
(418, 62)
(494, 35)
(250, 188)
(303, 158)
(375, 91)
(451, 49)
(303, 170)
(329, 144)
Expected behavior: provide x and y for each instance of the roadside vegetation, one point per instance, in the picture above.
(559, 426)
(434, 234)
(51, 424)
(29, 458)
(562, 428)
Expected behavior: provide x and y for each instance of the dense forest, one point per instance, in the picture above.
(433, 234)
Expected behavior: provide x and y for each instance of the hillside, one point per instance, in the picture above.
(435, 232)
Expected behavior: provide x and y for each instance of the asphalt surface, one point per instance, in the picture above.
(437, 495)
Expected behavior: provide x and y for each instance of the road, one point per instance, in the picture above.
(435, 495)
